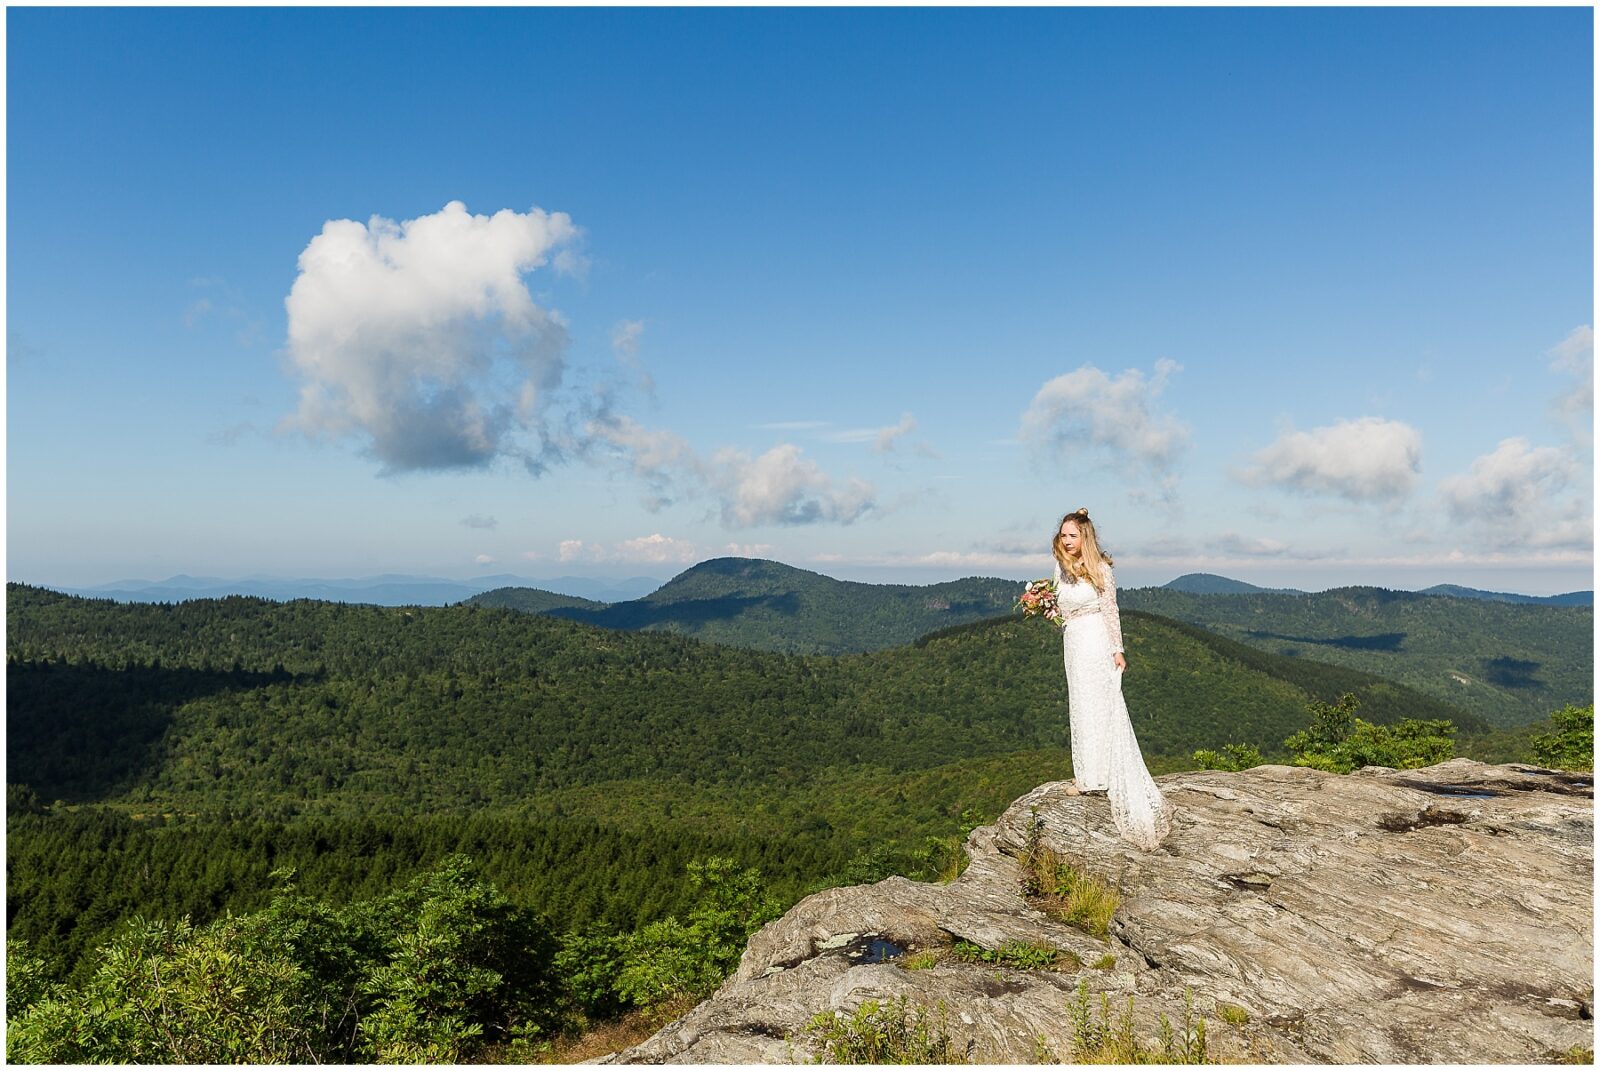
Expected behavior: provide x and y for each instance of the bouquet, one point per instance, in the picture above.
(1038, 599)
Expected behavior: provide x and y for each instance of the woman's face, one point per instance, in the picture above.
(1071, 538)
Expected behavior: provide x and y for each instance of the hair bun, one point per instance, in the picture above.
(1081, 511)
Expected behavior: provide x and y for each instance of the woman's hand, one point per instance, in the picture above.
(1122, 663)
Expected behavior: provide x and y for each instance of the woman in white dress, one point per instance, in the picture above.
(1105, 754)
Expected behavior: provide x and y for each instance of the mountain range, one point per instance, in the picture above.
(1511, 662)
(321, 708)
(389, 589)
(398, 589)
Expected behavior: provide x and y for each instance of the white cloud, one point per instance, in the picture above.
(664, 460)
(1363, 460)
(886, 436)
(416, 336)
(625, 344)
(1234, 543)
(1574, 356)
(625, 337)
(1516, 495)
(1514, 479)
(777, 487)
(484, 559)
(781, 487)
(422, 339)
(657, 548)
(882, 439)
(748, 550)
(1087, 407)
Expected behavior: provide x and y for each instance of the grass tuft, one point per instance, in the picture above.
(885, 1032)
(1064, 892)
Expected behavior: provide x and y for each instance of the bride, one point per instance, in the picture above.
(1105, 754)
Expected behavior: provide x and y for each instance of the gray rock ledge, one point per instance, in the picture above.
(1439, 915)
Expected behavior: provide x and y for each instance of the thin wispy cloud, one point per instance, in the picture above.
(625, 344)
(655, 548)
(224, 304)
(1573, 357)
(778, 487)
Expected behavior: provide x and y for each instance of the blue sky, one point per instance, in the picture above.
(1301, 296)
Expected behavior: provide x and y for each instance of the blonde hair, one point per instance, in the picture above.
(1092, 562)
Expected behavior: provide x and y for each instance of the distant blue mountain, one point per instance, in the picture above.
(1571, 598)
(389, 589)
(1212, 584)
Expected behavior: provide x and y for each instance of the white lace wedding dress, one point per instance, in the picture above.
(1105, 754)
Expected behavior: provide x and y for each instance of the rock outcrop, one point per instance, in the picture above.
(1439, 915)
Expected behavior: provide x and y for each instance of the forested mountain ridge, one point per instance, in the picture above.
(310, 707)
(1569, 598)
(1212, 584)
(359, 743)
(770, 606)
(1510, 663)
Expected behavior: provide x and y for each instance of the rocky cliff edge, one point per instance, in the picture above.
(1437, 915)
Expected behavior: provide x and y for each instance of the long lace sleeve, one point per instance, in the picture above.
(1108, 611)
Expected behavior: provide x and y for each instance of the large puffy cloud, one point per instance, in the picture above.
(1363, 460)
(1087, 406)
(422, 336)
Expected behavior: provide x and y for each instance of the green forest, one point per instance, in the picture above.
(770, 606)
(1509, 663)
(196, 760)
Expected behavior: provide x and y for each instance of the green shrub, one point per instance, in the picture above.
(1019, 954)
(888, 1032)
(431, 972)
(1571, 746)
(670, 957)
(1339, 742)
(1233, 758)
